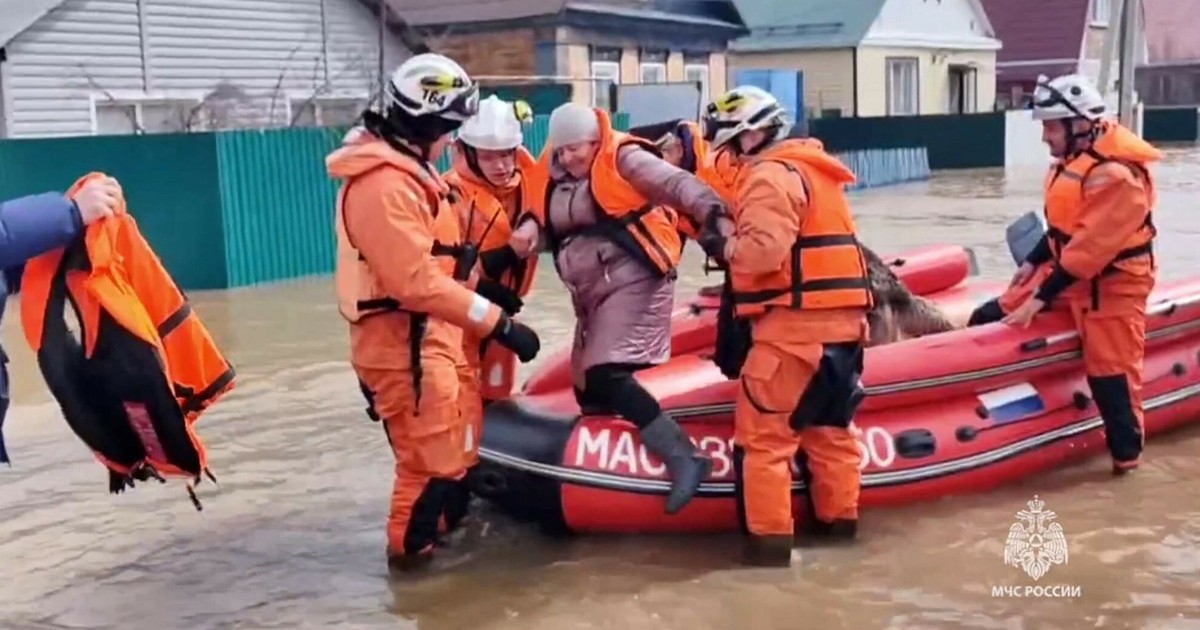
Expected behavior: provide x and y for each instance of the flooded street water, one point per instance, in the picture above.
(294, 537)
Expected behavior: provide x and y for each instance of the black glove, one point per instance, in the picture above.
(710, 239)
(516, 337)
(500, 295)
(496, 261)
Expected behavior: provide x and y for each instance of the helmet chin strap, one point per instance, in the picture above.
(1075, 139)
(768, 137)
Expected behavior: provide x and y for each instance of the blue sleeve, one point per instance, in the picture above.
(33, 225)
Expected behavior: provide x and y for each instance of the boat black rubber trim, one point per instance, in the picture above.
(523, 432)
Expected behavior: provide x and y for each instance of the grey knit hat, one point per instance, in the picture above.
(571, 123)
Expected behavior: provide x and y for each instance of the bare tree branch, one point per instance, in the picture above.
(109, 98)
(287, 64)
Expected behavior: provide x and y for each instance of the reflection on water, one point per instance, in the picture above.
(294, 536)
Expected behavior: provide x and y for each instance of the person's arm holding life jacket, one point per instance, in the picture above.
(1115, 206)
(768, 220)
(664, 184)
(390, 234)
(33, 225)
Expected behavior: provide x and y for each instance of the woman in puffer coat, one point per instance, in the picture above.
(622, 284)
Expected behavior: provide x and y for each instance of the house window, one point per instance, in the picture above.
(326, 111)
(116, 117)
(902, 82)
(698, 73)
(1101, 10)
(963, 85)
(653, 66)
(606, 72)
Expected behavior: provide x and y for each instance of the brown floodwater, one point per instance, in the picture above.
(293, 538)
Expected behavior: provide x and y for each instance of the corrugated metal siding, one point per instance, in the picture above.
(170, 182)
(277, 203)
(83, 47)
(278, 200)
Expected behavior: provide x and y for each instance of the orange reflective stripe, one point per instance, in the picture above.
(137, 326)
(827, 268)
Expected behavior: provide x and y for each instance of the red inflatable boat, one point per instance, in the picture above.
(963, 411)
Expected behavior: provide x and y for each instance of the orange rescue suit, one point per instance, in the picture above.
(1099, 206)
(797, 273)
(147, 368)
(395, 285)
(487, 215)
(646, 231)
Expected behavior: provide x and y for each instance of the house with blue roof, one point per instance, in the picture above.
(869, 57)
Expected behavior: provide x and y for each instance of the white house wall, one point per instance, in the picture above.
(953, 24)
(260, 53)
(82, 48)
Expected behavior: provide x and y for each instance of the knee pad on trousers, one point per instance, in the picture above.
(614, 387)
(835, 391)
(1122, 431)
(427, 512)
(989, 312)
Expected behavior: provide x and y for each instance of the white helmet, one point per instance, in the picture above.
(432, 85)
(497, 125)
(1068, 96)
(744, 108)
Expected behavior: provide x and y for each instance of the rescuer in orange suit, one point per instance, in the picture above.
(1096, 259)
(491, 182)
(401, 287)
(798, 276)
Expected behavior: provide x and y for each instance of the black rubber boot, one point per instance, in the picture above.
(686, 464)
(768, 551)
(840, 531)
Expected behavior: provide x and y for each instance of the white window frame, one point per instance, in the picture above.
(970, 90)
(1100, 12)
(138, 100)
(657, 68)
(703, 80)
(604, 72)
(895, 106)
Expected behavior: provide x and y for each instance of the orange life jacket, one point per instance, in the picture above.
(1064, 195)
(147, 367)
(484, 222)
(360, 293)
(827, 268)
(645, 231)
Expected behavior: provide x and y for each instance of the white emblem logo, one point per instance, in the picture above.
(1035, 541)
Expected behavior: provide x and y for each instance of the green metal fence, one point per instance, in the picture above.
(952, 140)
(239, 208)
(171, 183)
